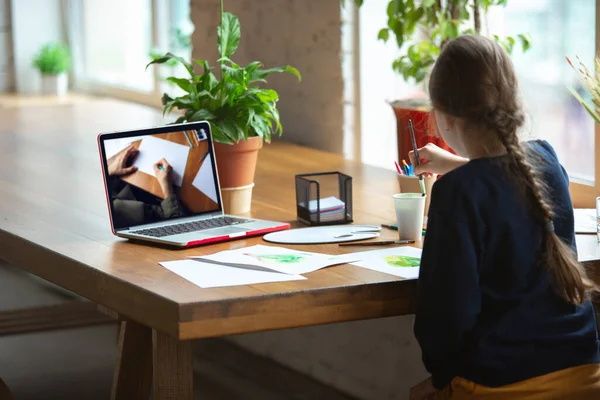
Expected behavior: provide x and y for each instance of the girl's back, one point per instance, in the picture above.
(502, 320)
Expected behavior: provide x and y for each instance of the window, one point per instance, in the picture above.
(558, 28)
(114, 40)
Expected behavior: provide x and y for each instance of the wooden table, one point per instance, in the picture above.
(54, 224)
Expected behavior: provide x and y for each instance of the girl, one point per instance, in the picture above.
(503, 310)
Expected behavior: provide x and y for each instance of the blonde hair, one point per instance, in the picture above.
(474, 80)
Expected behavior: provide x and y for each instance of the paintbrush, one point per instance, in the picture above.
(417, 160)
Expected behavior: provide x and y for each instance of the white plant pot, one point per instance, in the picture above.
(56, 85)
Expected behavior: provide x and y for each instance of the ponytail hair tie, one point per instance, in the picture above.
(549, 226)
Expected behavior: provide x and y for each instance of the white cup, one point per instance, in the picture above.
(410, 208)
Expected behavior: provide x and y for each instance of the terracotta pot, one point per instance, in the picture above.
(424, 127)
(236, 163)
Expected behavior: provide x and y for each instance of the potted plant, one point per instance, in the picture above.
(243, 115)
(53, 61)
(421, 28)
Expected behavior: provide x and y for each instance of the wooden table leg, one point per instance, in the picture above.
(133, 373)
(173, 374)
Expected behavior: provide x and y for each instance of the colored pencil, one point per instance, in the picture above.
(398, 168)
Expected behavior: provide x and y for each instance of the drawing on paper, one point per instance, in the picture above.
(402, 261)
(279, 258)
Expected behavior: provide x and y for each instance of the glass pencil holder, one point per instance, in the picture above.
(324, 198)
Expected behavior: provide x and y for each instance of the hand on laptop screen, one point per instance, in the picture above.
(146, 177)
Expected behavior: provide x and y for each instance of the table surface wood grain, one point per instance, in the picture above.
(54, 224)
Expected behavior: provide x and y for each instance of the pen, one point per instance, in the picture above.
(161, 168)
(380, 243)
(417, 160)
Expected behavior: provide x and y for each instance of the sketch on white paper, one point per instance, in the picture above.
(398, 261)
(208, 275)
(279, 259)
(153, 149)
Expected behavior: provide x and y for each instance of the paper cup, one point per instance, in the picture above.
(410, 184)
(237, 201)
(410, 208)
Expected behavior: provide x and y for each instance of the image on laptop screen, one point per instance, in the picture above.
(157, 177)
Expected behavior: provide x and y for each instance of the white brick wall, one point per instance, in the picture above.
(302, 33)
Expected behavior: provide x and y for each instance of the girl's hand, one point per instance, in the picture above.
(435, 160)
(423, 391)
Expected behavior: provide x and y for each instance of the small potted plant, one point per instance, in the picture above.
(53, 61)
(421, 29)
(243, 115)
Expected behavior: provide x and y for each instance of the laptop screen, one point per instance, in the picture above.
(159, 174)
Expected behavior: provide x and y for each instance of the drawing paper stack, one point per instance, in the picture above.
(251, 265)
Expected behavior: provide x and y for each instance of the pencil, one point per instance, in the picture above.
(417, 160)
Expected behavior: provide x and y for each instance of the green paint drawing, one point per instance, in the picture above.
(402, 261)
(279, 258)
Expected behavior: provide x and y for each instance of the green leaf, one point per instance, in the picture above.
(267, 96)
(261, 74)
(253, 66)
(228, 35)
(165, 99)
(219, 136)
(428, 3)
(184, 84)
(525, 39)
(384, 34)
(231, 130)
(170, 56)
(202, 115)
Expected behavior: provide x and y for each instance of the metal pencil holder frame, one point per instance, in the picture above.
(304, 196)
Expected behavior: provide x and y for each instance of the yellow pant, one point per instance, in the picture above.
(577, 383)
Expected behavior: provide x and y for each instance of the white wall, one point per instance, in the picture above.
(378, 85)
(34, 23)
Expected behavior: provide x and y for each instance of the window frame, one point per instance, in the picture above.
(160, 16)
(584, 194)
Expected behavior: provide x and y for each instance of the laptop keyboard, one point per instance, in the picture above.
(191, 226)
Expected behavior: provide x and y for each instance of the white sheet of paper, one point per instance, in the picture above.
(389, 261)
(585, 220)
(113, 146)
(153, 149)
(277, 259)
(208, 275)
(205, 180)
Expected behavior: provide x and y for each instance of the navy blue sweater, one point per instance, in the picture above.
(486, 307)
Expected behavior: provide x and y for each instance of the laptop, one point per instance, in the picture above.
(162, 186)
